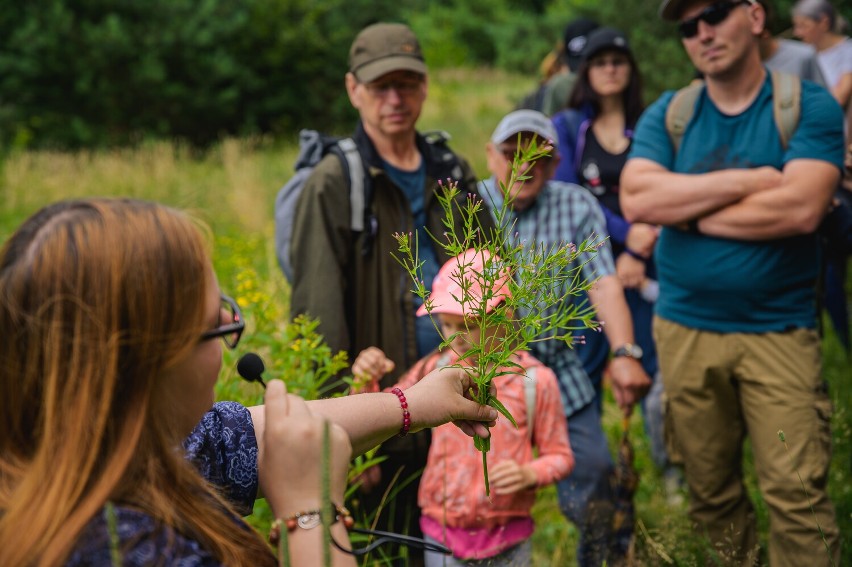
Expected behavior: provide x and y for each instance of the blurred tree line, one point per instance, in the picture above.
(94, 73)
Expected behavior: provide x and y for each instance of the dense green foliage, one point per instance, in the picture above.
(89, 73)
(102, 72)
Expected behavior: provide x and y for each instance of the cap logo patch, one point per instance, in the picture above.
(577, 44)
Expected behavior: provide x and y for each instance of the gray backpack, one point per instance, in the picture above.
(313, 146)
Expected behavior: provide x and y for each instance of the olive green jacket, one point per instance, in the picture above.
(360, 294)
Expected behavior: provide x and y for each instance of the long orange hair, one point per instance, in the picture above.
(97, 298)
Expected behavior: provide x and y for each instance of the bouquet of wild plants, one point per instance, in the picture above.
(540, 287)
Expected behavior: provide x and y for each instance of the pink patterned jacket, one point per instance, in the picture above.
(452, 488)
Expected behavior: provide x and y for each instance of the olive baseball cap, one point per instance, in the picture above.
(382, 48)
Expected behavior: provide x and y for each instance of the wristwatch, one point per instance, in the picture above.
(630, 350)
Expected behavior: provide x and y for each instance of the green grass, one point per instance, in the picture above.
(232, 187)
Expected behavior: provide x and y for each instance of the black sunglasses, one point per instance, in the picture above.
(231, 323)
(711, 15)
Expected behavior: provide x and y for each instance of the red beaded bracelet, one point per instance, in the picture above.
(406, 417)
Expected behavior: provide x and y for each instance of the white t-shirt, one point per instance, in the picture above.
(798, 59)
(836, 61)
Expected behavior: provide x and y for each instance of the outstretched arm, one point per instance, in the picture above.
(368, 419)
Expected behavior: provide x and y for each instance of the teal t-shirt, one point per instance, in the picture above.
(411, 183)
(726, 285)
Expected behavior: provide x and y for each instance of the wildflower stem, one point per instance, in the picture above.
(327, 510)
(485, 472)
(541, 283)
(114, 543)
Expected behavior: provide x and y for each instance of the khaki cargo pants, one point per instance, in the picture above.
(722, 387)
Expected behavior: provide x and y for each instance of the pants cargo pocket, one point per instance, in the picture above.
(821, 441)
(669, 434)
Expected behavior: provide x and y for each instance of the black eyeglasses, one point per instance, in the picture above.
(711, 15)
(403, 87)
(231, 323)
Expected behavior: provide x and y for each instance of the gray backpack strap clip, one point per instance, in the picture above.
(680, 111)
(787, 104)
(356, 182)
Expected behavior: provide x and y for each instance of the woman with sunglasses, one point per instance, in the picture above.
(110, 452)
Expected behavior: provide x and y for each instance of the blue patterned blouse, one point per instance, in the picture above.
(224, 449)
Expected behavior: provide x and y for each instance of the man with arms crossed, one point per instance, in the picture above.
(738, 261)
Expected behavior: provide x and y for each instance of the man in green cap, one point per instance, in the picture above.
(349, 280)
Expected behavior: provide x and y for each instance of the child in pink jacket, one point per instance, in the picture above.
(456, 512)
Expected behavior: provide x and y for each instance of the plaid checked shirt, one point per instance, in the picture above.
(562, 213)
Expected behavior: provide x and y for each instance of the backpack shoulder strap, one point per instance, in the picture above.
(680, 111)
(437, 137)
(438, 141)
(529, 396)
(574, 125)
(580, 145)
(355, 165)
(786, 104)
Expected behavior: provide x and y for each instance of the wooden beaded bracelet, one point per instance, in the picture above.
(308, 520)
(406, 417)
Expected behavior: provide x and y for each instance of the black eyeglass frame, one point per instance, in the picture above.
(712, 15)
(224, 331)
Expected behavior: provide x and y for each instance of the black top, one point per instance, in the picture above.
(600, 171)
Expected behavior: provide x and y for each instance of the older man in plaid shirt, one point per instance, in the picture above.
(546, 212)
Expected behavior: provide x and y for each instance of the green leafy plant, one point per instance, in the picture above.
(544, 285)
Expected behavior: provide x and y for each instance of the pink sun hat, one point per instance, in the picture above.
(473, 267)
